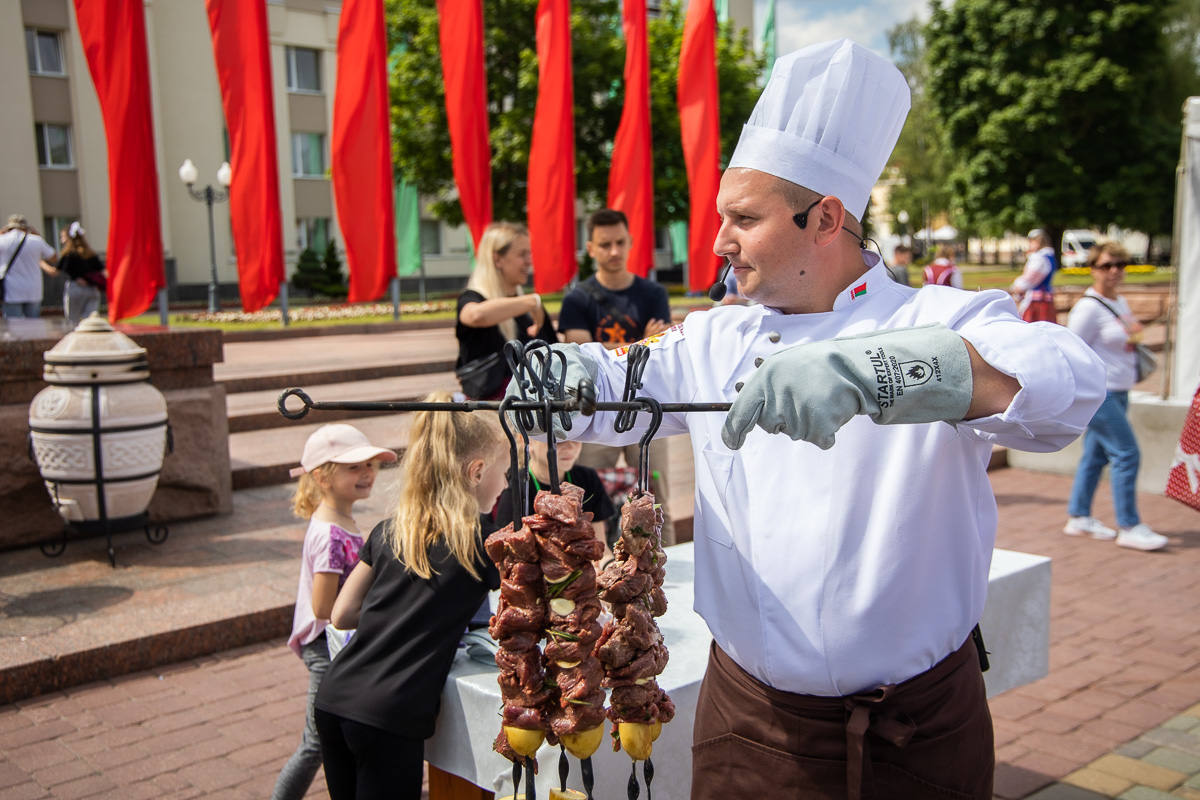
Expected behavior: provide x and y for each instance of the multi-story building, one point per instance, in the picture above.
(55, 170)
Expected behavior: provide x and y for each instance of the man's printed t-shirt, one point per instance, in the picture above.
(631, 308)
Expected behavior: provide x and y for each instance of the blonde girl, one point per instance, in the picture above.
(421, 575)
(494, 307)
(337, 469)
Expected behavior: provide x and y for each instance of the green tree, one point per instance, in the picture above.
(1050, 111)
(333, 265)
(421, 139)
(921, 162)
(310, 272)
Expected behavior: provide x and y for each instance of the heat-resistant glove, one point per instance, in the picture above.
(811, 390)
(580, 365)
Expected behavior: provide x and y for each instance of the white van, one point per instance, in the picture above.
(1075, 246)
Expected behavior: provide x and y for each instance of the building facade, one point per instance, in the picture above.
(55, 169)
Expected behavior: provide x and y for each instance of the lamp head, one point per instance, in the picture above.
(188, 173)
(225, 174)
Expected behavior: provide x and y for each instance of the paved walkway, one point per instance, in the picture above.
(1116, 717)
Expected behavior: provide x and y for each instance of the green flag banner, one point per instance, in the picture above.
(768, 37)
(722, 7)
(408, 229)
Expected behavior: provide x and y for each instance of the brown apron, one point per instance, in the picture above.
(928, 737)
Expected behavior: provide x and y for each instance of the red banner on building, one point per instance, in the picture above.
(242, 51)
(700, 129)
(361, 151)
(460, 31)
(552, 153)
(631, 180)
(113, 35)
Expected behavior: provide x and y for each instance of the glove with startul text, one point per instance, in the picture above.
(580, 365)
(906, 375)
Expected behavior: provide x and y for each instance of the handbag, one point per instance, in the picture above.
(483, 377)
(1147, 362)
(96, 278)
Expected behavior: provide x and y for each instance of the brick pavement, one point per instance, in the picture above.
(1125, 640)
(1116, 716)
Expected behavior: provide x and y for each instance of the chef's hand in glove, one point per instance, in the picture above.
(811, 390)
(579, 366)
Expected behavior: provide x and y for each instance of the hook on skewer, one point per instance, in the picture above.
(656, 418)
(564, 768)
(636, 360)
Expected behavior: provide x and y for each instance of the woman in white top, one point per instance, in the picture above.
(1102, 319)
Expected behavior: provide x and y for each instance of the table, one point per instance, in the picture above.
(1016, 627)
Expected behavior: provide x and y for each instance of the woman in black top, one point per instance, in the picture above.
(494, 309)
(421, 575)
(81, 265)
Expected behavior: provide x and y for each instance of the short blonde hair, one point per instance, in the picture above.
(309, 493)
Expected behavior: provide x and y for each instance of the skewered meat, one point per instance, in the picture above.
(631, 646)
(548, 588)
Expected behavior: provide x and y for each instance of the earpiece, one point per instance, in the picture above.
(801, 219)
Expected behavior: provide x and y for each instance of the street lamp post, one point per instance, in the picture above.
(208, 195)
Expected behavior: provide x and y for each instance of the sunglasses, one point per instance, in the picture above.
(1112, 265)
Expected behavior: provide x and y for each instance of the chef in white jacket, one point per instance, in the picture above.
(841, 600)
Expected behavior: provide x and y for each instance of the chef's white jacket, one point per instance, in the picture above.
(831, 572)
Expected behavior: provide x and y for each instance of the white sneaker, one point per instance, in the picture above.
(1089, 526)
(1140, 537)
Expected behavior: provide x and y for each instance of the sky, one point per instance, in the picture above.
(803, 22)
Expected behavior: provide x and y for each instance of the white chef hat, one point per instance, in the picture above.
(827, 120)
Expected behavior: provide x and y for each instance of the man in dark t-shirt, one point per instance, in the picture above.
(616, 307)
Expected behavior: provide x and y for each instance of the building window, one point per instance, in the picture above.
(431, 237)
(303, 70)
(308, 155)
(54, 226)
(44, 52)
(313, 232)
(53, 145)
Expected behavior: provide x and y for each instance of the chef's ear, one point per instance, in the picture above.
(829, 216)
(474, 471)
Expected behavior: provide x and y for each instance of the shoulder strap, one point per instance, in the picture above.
(1111, 310)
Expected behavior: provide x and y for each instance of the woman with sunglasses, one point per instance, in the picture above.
(1102, 319)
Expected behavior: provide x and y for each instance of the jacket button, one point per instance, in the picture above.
(758, 362)
(738, 386)
(773, 336)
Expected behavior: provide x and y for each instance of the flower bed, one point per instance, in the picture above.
(317, 313)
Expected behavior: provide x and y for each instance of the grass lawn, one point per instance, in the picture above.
(975, 277)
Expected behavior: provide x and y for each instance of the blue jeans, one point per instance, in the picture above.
(22, 310)
(297, 774)
(1108, 440)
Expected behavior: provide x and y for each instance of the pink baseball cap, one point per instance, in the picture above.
(338, 444)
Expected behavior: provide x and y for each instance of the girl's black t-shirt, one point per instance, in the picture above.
(476, 343)
(391, 673)
(76, 266)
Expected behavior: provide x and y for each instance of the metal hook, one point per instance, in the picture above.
(636, 360)
(656, 418)
(516, 478)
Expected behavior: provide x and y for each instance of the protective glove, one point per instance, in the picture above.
(811, 390)
(580, 365)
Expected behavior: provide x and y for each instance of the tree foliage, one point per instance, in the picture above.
(921, 160)
(1052, 114)
(421, 139)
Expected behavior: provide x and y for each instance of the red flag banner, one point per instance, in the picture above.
(631, 180)
(241, 49)
(113, 35)
(460, 31)
(1183, 481)
(700, 128)
(361, 151)
(552, 152)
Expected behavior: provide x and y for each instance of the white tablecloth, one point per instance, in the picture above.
(1016, 626)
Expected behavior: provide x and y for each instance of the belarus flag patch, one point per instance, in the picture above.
(858, 291)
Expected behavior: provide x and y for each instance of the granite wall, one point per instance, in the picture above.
(196, 478)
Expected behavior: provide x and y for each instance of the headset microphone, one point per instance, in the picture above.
(717, 291)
